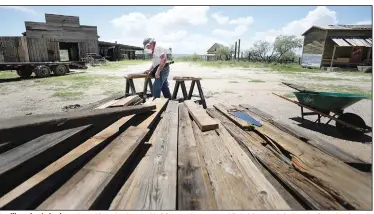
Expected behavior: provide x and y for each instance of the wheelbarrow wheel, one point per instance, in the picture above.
(352, 119)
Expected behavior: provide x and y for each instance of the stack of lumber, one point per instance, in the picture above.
(165, 155)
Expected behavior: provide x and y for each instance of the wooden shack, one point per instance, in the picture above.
(337, 46)
(115, 51)
(59, 37)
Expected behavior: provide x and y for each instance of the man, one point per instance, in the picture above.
(161, 76)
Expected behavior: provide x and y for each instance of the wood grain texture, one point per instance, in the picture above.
(84, 148)
(125, 101)
(61, 121)
(86, 186)
(186, 78)
(160, 104)
(302, 186)
(225, 109)
(193, 190)
(199, 115)
(234, 188)
(319, 143)
(329, 173)
(153, 184)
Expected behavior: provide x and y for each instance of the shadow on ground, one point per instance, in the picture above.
(329, 130)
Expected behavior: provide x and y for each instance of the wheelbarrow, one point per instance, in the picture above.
(323, 104)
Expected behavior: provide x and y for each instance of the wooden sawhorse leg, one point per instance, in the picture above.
(147, 83)
(175, 92)
(130, 85)
(201, 94)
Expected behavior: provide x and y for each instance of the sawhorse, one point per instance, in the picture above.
(131, 87)
(195, 80)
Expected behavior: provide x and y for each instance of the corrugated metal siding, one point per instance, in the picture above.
(12, 49)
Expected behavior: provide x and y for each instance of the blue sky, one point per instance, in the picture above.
(190, 29)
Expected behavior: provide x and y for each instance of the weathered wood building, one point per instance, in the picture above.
(60, 38)
(337, 46)
(115, 51)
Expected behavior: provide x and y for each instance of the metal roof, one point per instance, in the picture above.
(118, 44)
(340, 27)
(352, 41)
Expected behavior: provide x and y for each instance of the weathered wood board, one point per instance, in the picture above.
(319, 143)
(329, 173)
(125, 101)
(85, 187)
(199, 115)
(193, 189)
(61, 121)
(303, 187)
(225, 109)
(153, 184)
(234, 188)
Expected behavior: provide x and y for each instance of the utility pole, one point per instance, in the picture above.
(235, 49)
(239, 50)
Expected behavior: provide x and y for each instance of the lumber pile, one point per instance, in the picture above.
(165, 155)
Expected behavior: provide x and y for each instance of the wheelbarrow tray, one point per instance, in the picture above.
(328, 101)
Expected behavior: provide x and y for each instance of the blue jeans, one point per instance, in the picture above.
(162, 84)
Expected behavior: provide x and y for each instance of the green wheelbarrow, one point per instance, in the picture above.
(323, 104)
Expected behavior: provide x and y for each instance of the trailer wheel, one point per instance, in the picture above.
(24, 73)
(60, 70)
(42, 71)
(352, 119)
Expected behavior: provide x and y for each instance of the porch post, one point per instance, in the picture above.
(333, 55)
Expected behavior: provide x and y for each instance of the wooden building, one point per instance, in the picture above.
(337, 46)
(115, 51)
(211, 53)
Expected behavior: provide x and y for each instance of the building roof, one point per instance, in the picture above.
(122, 45)
(340, 27)
(215, 45)
(352, 41)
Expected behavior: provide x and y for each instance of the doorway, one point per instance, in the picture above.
(71, 49)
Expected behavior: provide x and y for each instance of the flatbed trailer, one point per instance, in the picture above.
(41, 69)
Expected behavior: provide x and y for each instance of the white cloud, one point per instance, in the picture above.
(365, 22)
(20, 8)
(238, 31)
(319, 16)
(169, 29)
(242, 21)
(221, 19)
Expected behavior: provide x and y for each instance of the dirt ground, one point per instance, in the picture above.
(227, 85)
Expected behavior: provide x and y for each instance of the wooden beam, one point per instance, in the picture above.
(237, 183)
(300, 185)
(199, 115)
(333, 55)
(152, 186)
(41, 182)
(84, 189)
(180, 78)
(225, 111)
(10, 128)
(125, 101)
(193, 190)
(319, 143)
(334, 176)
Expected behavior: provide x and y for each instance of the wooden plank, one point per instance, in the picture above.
(201, 118)
(225, 110)
(193, 190)
(83, 190)
(107, 104)
(61, 121)
(329, 173)
(152, 186)
(230, 188)
(319, 143)
(125, 101)
(17, 197)
(302, 186)
(161, 104)
(137, 76)
(186, 78)
(18, 164)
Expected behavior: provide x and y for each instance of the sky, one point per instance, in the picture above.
(190, 29)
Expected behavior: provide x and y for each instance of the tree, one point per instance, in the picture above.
(223, 53)
(262, 50)
(285, 46)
